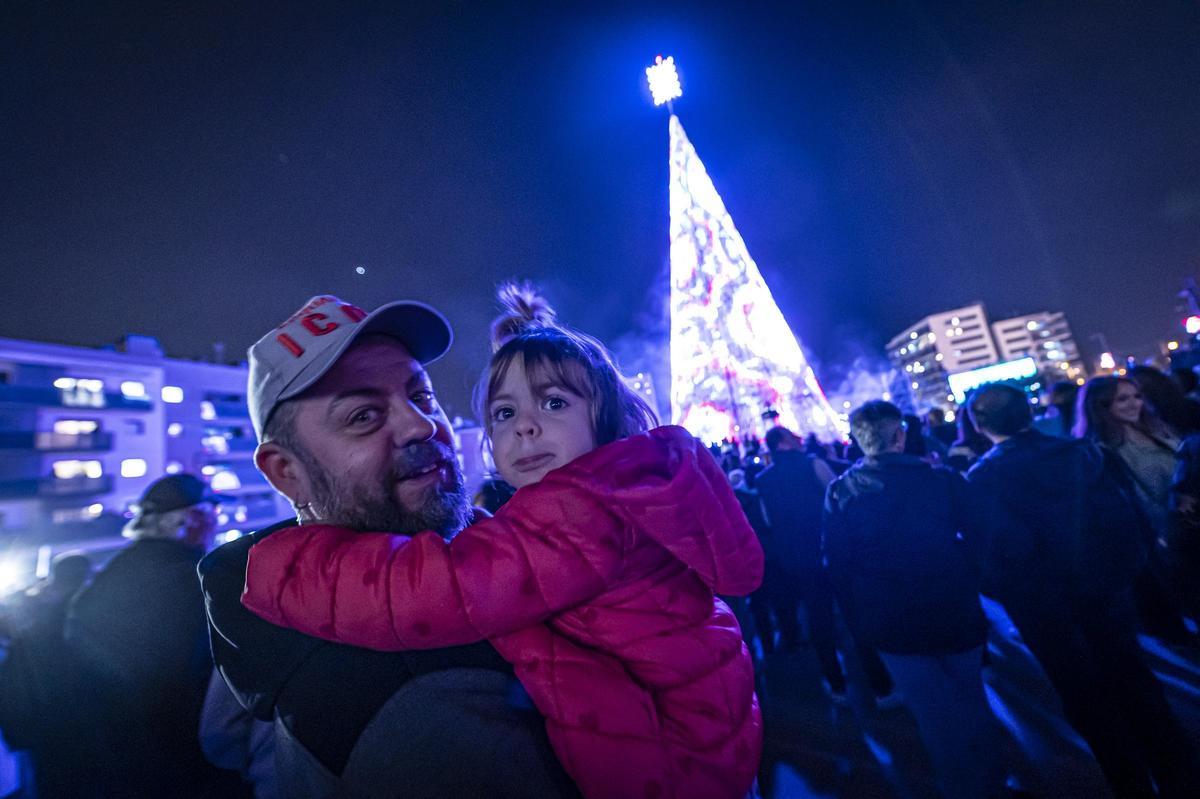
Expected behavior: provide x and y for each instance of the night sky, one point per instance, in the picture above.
(196, 174)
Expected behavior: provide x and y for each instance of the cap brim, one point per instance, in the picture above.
(420, 328)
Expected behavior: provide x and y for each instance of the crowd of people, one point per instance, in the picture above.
(397, 639)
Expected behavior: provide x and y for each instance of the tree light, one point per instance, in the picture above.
(1192, 325)
(1107, 361)
(663, 80)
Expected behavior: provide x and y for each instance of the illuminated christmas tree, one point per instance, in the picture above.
(733, 356)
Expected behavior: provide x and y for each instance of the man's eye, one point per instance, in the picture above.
(502, 413)
(363, 416)
(554, 403)
(424, 396)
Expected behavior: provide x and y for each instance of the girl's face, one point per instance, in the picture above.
(1127, 403)
(536, 427)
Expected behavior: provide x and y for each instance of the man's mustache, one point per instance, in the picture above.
(422, 455)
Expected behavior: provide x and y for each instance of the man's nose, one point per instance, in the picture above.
(411, 425)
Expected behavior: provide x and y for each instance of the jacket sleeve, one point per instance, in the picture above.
(550, 548)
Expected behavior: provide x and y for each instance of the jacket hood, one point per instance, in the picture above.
(670, 488)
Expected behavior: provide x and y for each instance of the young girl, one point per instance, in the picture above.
(596, 580)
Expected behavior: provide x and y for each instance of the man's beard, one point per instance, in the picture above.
(366, 506)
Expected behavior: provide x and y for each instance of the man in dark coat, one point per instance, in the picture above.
(1064, 572)
(351, 432)
(140, 637)
(896, 532)
(792, 490)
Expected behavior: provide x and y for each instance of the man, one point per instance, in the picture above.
(1064, 572)
(907, 586)
(139, 634)
(792, 490)
(351, 433)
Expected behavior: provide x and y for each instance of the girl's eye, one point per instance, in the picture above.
(502, 413)
(555, 403)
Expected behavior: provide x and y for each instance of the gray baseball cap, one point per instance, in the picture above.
(293, 356)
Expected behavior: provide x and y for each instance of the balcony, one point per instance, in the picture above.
(56, 398)
(44, 441)
(74, 486)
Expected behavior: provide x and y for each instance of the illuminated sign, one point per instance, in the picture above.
(1019, 370)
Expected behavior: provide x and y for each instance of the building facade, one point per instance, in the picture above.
(963, 339)
(83, 432)
(939, 344)
(1046, 337)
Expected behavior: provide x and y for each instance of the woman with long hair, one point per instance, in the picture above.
(1113, 412)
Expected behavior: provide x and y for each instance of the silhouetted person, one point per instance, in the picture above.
(140, 635)
(1064, 572)
(793, 498)
(906, 583)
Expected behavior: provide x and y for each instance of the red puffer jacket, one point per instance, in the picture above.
(596, 584)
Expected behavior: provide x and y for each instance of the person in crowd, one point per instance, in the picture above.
(1185, 527)
(138, 632)
(793, 496)
(939, 429)
(759, 604)
(969, 444)
(596, 580)
(1185, 377)
(894, 540)
(39, 680)
(1114, 414)
(1064, 572)
(232, 739)
(919, 443)
(350, 430)
(1167, 401)
(1058, 419)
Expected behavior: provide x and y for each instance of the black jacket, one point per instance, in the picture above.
(792, 497)
(896, 533)
(1076, 528)
(326, 694)
(139, 635)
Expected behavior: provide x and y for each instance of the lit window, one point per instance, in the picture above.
(225, 481)
(95, 509)
(954, 320)
(215, 445)
(74, 469)
(75, 427)
(912, 334)
(133, 467)
(1031, 325)
(949, 416)
(938, 357)
(207, 411)
(174, 467)
(915, 384)
(172, 394)
(65, 383)
(133, 389)
(174, 429)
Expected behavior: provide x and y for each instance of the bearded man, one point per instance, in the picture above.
(351, 432)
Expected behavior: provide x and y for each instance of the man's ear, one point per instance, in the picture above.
(284, 471)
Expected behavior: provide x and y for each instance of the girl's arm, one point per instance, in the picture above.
(550, 548)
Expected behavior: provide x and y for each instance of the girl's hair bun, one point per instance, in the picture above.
(522, 309)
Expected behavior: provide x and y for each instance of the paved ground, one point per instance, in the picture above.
(816, 749)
